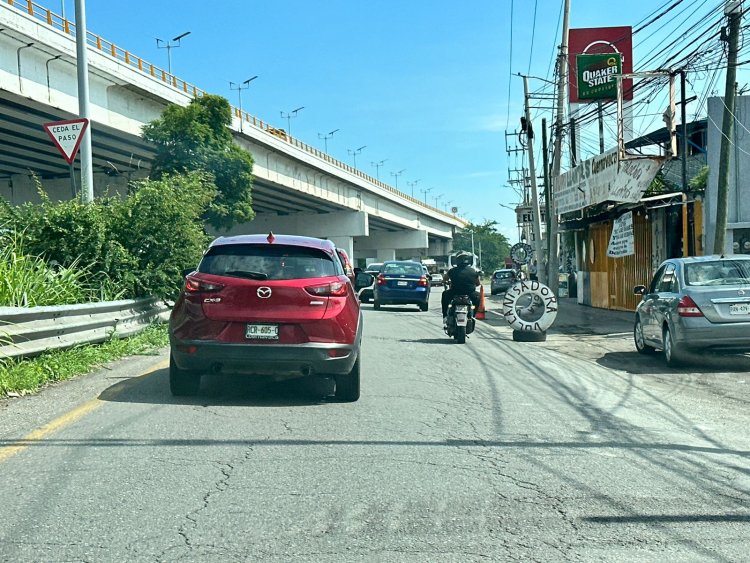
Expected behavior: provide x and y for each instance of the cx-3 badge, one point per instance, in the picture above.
(264, 292)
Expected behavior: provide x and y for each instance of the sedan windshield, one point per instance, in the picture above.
(719, 272)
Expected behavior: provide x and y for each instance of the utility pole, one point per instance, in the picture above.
(537, 224)
(734, 11)
(82, 64)
(547, 188)
(562, 76)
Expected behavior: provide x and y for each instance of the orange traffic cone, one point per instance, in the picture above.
(479, 313)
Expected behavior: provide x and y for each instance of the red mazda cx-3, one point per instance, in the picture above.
(273, 305)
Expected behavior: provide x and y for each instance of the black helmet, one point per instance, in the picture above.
(463, 258)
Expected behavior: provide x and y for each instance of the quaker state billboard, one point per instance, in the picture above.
(595, 55)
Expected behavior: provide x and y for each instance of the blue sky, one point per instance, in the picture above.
(423, 84)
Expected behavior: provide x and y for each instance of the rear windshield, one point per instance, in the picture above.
(403, 270)
(503, 275)
(720, 272)
(266, 262)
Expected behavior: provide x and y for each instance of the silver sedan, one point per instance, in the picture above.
(695, 303)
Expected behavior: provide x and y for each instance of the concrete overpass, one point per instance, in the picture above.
(298, 189)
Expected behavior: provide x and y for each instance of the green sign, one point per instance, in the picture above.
(596, 75)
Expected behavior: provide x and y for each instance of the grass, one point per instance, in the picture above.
(30, 375)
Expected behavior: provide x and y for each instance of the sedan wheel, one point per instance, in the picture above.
(672, 351)
(640, 341)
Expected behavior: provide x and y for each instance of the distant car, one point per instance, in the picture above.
(436, 280)
(698, 303)
(402, 282)
(273, 305)
(366, 293)
(502, 281)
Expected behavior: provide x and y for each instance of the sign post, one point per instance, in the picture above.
(67, 136)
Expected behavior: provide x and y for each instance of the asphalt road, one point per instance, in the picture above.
(575, 449)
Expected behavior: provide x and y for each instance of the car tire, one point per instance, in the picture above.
(183, 382)
(640, 341)
(376, 305)
(493, 292)
(529, 336)
(673, 352)
(347, 386)
(424, 306)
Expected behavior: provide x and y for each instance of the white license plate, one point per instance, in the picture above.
(402, 283)
(262, 332)
(739, 309)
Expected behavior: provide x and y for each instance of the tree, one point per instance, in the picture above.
(495, 246)
(196, 138)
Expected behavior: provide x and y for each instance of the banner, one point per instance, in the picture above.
(604, 178)
(596, 76)
(622, 240)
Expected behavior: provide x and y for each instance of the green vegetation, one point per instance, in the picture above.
(120, 247)
(495, 246)
(197, 138)
(25, 376)
(698, 183)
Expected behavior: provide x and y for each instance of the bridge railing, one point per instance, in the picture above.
(108, 48)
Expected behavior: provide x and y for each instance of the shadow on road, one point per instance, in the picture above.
(639, 364)
(223, 390)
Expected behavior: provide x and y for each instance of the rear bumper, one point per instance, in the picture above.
(264, 359)
(700, 334)
(402, 296)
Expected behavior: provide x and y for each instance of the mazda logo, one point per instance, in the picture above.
(264, 292)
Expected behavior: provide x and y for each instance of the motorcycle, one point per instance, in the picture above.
(460, 318)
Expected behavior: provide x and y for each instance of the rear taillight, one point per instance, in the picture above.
(333, 289)
(381, 279)
(194, 285)
(688, 308)
(423, 282)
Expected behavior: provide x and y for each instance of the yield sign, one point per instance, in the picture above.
(67, 135)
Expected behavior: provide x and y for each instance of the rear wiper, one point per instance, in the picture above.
(245, 274)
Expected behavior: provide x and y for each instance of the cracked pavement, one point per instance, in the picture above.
(575, 449)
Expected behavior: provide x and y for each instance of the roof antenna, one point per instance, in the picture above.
(270, 238)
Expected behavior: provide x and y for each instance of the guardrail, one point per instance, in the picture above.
(66, 26)
(29, 331)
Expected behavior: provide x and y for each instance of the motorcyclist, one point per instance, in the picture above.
(463, 281)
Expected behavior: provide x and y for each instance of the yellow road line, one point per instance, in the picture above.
(69, 417)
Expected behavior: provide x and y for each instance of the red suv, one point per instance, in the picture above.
(273, 305)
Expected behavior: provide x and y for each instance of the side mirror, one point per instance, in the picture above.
(639, 290)
(363, 280)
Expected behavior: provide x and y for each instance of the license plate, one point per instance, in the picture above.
(402, 283)
(739, 309)
(262, 332)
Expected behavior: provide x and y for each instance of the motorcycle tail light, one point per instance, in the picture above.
(688, 308)
(195, 285)
(333, 289)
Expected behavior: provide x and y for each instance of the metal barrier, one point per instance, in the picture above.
(29, 331)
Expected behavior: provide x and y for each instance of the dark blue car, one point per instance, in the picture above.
(402, 282)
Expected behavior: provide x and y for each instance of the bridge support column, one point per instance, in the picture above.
(384, 254)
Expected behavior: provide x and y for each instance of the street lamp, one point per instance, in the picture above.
(438, 198)
(425, 192)
(168, 45)
(289, 117)
(240, 87)
(447, 204)
(472, 238)
(397, 174)
(377, 166)
(412, 184)
(355, 152)
(326, 137)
